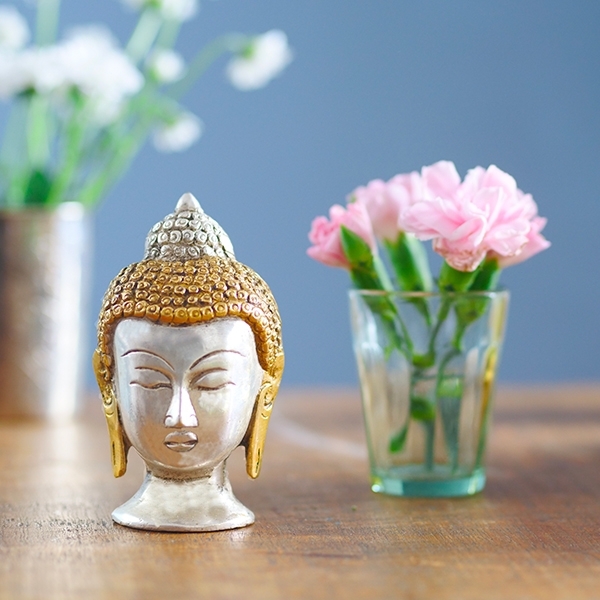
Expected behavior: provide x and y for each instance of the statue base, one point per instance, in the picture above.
(206, 504)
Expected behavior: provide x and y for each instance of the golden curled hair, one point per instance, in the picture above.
(184, 293)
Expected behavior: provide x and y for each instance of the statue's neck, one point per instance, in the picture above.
(205, 504)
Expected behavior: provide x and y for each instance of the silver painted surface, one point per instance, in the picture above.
(44, 268)
(187, 234)
(205, 504)
(185, 396)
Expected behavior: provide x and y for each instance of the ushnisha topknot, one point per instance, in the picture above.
(187, 234)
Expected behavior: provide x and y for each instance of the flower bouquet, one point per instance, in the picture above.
(83, 106)
(427, 349)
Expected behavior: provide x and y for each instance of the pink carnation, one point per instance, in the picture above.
(385, 202)
(440, 180)
(535, 243)
(486, 213)
(325, 234)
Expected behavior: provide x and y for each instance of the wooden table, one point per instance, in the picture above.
(320, 531)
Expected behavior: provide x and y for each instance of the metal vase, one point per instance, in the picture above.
(44, 280)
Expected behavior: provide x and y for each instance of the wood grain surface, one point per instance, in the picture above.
(320, 531)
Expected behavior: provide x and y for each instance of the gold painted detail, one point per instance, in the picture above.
(111, 412)
(260, 418)
(185, 293)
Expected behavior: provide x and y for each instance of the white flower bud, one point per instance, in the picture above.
(178, 10)
(166, 66)
(179, 135)
(175, 10)
(265, 58)
(14, 31)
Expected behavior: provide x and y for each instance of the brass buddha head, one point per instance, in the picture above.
(190, 387)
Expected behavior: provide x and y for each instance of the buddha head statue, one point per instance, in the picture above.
(189, 362)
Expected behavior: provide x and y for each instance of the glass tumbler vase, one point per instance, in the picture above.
(427, 364)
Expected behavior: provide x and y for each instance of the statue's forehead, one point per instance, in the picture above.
(182, 344)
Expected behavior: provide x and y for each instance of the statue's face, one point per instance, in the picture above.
(185, 394)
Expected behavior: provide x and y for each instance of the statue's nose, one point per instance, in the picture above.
(181, 411)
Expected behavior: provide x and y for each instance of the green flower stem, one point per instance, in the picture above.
(452, 280)
(468, 310)
(487, 276)
(72, 153)
(168, 34)
(448, 400)
(409, 260)
(38, 148)
(48, 12)
(428, 359)
(12, 155)
(144, 34)
(118, 163)
(367, 272)
(429, 427)
(233, 42)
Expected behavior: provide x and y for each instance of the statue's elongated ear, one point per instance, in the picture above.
(260, 417)
(118, 445)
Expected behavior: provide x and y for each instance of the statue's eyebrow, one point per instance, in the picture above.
(213, 354)
(148, 352)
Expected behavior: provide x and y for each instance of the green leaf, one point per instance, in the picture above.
(366, 269)
(398, 441)
(409, 259)
(38, 188)
(424, 361)
(450, 387)
(357, 251)
(422, 409)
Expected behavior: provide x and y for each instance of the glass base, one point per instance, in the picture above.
(414, 481)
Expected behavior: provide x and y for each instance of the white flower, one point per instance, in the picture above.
(88, 61)
(166, 66)
(179, 135)
(265, 58)
(178, 10)
(14, 31)
(12, 79)
(175, 10)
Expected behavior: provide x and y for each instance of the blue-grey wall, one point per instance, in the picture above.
(380, 87)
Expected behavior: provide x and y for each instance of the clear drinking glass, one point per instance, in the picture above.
(427, 364)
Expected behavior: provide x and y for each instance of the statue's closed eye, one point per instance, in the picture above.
(152, 378)
(157, 385)
(212, 379)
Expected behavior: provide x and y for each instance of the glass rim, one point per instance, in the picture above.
(500, 291)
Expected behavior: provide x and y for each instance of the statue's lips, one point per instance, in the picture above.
(181, 441)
